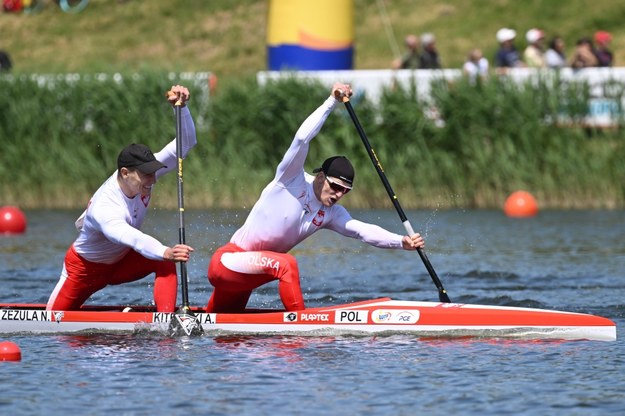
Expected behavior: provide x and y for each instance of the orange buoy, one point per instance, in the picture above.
(521, 204)
(12, 220)
(10, 351)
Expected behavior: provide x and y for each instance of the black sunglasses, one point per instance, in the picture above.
(336, 187)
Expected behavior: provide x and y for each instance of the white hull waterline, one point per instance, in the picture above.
(379, 316)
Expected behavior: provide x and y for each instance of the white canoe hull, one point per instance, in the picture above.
(380, 316)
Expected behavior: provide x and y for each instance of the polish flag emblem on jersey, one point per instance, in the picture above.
(318, 220)
(145, 199)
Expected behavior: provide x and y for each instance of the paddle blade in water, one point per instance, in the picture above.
(184, 323)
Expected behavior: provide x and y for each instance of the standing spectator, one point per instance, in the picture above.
(12, 6)
(507, 55)
(584, 57)
(476, 66)
(534, 54)
(429, 56)
(555, 56)
(410, 60)
(5, 62)
(602, 48)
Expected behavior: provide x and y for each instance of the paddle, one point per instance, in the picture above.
(183, 321)
(442, 293)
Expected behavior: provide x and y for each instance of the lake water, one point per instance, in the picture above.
(573, 261)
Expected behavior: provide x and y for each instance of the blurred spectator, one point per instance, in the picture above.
(602, 51)
(429, 56)
(584, 57)
(476, 66)
(12, 6)
(555, 56)
(410, 60)
(507, 55)
(5, 62)
(534, 55)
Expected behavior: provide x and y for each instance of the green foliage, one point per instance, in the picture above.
(60, 138)
(504, 135)
(259, 122)
(63, 133)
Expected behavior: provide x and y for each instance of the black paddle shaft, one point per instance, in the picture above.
(181, 233)
(183, 322)
(442, 293)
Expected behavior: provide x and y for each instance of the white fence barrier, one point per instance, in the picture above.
(605, 107)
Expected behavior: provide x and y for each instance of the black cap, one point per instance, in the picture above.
(139, 156)
(338, 167)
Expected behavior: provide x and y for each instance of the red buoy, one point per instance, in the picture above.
(521, 204)
(10, 351)
(12, 220)
(212, 83)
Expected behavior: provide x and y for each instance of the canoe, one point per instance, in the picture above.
(382, 316)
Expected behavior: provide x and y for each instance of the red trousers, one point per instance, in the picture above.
(81, 278)
(235, 273)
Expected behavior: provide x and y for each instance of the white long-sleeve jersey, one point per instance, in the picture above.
(110, 226)
(288, 211)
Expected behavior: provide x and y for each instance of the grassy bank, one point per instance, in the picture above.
(497, 137)
(229, 37)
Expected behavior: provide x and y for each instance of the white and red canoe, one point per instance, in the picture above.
(382, 316)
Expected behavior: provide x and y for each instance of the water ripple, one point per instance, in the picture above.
(149, 373)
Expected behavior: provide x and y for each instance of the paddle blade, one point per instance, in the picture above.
(443, 297)
(183, 323)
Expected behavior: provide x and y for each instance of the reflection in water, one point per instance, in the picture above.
(286, 348)
(121, 347)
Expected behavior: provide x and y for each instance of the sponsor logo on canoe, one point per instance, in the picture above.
(290, 317)
(407, 317)
(202, 318)
(350, 317)
(314, 317)
(387, 316)
(24, 315)
(382, 316)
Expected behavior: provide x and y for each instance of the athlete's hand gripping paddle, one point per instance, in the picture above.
(183, 322)
(442, 293)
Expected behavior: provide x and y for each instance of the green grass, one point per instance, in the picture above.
(228, 37)
(476, 160)
(497, 138)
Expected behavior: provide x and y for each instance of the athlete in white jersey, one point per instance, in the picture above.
(110, 248)
(292, 207)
